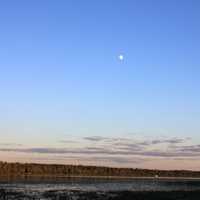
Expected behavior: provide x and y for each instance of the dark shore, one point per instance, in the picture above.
(180, 184)
(128, 195)
(56, 170)
(83, 195)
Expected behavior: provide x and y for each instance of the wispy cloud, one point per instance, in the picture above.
(115, 150)
(169, 141)
(67, 141)
(96, 138)
(189, 148)
(186, 152)
(10, 144)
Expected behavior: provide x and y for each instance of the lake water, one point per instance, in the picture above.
(89, 184)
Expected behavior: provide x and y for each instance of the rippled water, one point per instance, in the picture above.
(89, 184)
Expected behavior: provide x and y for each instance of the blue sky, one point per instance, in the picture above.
(60, 76)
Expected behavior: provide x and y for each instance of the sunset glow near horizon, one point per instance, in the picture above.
(109, 83)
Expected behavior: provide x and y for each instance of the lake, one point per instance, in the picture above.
(52, 188)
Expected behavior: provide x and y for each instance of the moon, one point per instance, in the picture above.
(121, 57)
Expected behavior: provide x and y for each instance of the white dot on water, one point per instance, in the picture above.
(121, 57)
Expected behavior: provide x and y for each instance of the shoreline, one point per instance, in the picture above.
(57, 171)
(99, 177)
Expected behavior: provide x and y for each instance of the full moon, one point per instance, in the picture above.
(121, 57)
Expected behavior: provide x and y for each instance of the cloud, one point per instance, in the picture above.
(67, 141)
(106, 139)
(104, 147)
(131, 140)
(190, 148)
(104, 151)
(95, 138)
(10, 144)
(118, 160)
(101, 160)
(129, 146)
(170, 141)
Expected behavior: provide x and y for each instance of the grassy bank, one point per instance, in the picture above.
(25, 169)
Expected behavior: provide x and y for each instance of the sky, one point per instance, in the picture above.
(66, 97)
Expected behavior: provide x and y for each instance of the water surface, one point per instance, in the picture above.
(99, 184)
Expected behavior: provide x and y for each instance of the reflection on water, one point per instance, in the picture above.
(91, 184)
(13, 188)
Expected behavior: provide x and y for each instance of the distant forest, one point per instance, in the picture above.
(19, 169)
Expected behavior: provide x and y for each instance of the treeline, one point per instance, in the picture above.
(19, 169)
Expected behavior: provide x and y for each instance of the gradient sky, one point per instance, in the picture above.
(64, 92)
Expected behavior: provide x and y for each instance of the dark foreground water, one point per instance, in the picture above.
(100, 189)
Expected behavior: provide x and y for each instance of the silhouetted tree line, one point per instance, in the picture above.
(19, 169)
